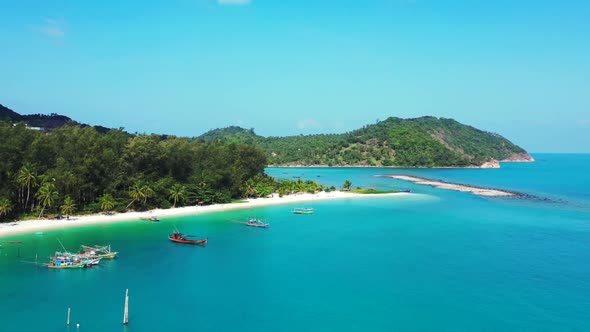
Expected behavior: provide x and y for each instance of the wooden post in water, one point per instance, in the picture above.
(126, 311)
(69, 312)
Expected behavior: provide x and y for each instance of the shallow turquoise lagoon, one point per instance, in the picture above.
(434, 261)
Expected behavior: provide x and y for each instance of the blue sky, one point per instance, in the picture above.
(518, 68)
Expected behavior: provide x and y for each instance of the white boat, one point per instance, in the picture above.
(253, 222)
(303, 210)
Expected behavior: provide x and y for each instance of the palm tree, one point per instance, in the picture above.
(283, 191)
(147, 193)
(106, 202)
(135, 193)
(26, 178)
(347, 184)
(177, 193)
(5, 206)
(299, 186)
(140, 190)
(249, 188)
(46, 195)
(68, 207)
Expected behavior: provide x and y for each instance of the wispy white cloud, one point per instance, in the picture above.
(308, 124)
(234, 2)
(52, 29)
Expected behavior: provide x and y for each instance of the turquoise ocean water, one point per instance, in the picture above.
(435, 261)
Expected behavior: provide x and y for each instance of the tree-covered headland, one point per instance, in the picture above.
(419, 142)
(75, 169)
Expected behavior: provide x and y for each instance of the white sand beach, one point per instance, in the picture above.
(31, 226)
(454, 186)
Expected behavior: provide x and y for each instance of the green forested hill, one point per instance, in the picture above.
(42, 121)
(6, 114)
(420, 142)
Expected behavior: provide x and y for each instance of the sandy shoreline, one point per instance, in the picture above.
(454, 186)
(32, 226)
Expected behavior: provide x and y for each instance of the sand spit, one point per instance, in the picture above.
(456, 187)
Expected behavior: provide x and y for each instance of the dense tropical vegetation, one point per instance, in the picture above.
(420, 142)
(77, 169)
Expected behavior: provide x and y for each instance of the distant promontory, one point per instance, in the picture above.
(421, 142)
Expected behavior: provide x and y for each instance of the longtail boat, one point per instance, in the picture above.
(152, 219)
(182, 238)
(57, 265)
(98, 252)
(303, 210)
(66, 260)
(253, 222)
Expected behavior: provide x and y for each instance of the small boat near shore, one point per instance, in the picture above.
(98, 252)
(183, 238)
(66, 265)
(66, 260)
(253, 222)
(303, 210)
(88, 257)
(152, 219)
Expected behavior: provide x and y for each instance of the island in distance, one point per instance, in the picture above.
(421, 142)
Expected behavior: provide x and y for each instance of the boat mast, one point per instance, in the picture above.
(62, 246)
(126, 310)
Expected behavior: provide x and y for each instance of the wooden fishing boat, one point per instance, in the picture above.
(253, 222)
(92, 262)
(98, 252)
(56, 265)
(182, 238)
(66, 260)
(303, 210)
(152, 219)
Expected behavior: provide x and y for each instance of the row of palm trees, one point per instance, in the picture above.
(140, 192)
(47, 195)
(262, 186)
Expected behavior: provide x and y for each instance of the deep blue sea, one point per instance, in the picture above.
(434, 261)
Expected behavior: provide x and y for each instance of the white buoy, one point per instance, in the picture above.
(78, 325)
(126, 310)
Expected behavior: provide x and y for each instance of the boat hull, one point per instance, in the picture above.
(201, 242)
(257, 225)
(66, 267)
(303, 211)
(109, 256)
